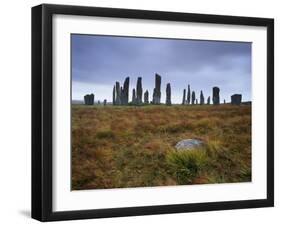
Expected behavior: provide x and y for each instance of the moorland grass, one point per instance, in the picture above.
(116, 147)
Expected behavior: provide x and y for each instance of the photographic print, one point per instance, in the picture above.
(138, 112)
(159, 112)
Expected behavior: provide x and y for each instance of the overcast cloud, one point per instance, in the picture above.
(99, 61)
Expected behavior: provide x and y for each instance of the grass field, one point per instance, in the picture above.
(117, 147)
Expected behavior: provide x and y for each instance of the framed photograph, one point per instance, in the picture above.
(145, 112)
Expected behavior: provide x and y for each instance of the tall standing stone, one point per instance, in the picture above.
(118, 93)
(168, 94)
(146, 97)
(113, 95)
(202, 100)
(121, 95)
(104, 102)
(154, 96)
(196, 101)
(125, 91)
(184, 97)
(188, 94)
(193, 97)
(236, 99)
(224, 101)
(134, 97)
(216, 95)
(208, 100)
(157, 90)
(139, 91)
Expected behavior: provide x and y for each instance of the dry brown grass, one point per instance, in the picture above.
(115, 147)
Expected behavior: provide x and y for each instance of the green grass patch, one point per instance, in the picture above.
(186, 165)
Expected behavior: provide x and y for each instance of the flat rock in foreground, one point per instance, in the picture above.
(189, 144)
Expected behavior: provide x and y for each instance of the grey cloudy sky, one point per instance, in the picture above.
(99, 61)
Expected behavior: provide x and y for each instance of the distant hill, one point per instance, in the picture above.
(82, 102)
(77, 102)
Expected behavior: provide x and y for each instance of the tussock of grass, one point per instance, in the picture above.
(115, 147)
(213, 162)
(185, 165)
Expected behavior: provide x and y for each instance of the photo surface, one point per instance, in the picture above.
(151, 112)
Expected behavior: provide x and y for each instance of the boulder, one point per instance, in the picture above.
(189, 144)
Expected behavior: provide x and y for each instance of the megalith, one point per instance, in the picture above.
(184, 97)
(118, 93)
(193, 97)
(113, 95)
(125, 91)
(139, 91)
(168, 94)
(208, 100)
(134, 96)
(188, 94)
(236, 99)
(146, 97)
(157, 90)
(202, 100)
(216, 95)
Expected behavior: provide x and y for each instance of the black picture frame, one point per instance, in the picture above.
(42, 111)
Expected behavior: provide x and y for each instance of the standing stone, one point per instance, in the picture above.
(168, 94)
(157, 90)
(86, 99)
(139, 91)
(98, 102)
(224, 101)
(104, 102)
(202, 100)
(89, 99)
(208, 100)
(92, 99)
(216, 95)
(196, 101)
(146, 97)
(118, 93)
(154, 96)
(125, 91)
(121, 95)
(113, 96)
(193, 97)
(236, 99)
(188, 94)
(183, 97)
(134, 97)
